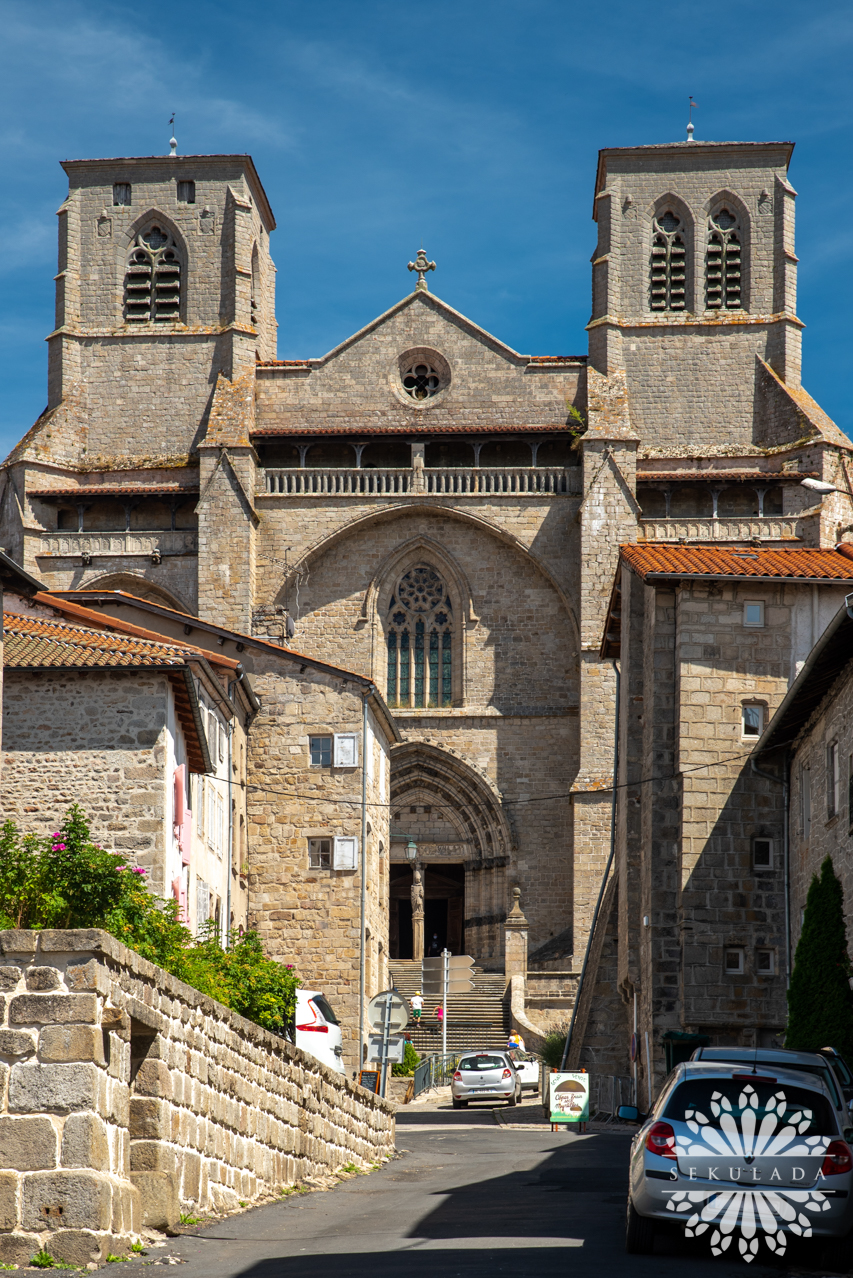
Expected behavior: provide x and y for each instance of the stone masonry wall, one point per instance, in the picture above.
(93, 737)
(828, 834)
(127, 1096)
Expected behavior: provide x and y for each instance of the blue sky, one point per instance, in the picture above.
(472, 126)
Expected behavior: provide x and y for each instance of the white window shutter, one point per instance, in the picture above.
(346, 749)
(346, 852)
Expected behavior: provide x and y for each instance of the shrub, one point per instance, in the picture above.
(406, 1067)
(553, 1046)
(820, 1002)
(69, 881)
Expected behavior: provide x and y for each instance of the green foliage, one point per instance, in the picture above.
(553, 1046)
(406, 1067)
(820, 1002)
(43, 1260)
(68, 881)
(187, 1218)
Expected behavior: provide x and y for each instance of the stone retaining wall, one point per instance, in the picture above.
(128, 1096)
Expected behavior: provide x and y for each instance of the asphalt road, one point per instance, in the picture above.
(466, 1198)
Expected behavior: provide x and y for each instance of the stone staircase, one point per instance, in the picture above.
(476, 1019)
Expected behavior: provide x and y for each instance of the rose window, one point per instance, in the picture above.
(420, 641)
(421, 589)
(421, 381)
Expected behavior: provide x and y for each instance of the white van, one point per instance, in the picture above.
(317, 1030)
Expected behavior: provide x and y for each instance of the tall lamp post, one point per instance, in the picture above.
(417, 901)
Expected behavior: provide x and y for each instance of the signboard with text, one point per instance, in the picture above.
(569, 1097)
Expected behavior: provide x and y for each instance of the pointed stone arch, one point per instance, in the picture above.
(466, 802)
(141, 587)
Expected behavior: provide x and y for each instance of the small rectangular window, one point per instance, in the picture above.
(319, 854)
(121, 193)
(346, 750)
(762, 854)
(186, 192)
(346, 852)
(753, 721)
(833, 780)
(734, 962)
(753, 613)
(765, 962)
(805, 802)
(321, 751)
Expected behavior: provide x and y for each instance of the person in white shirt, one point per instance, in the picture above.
(417, 1006)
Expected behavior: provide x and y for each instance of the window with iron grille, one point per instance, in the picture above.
(419, 639)
(668, 285)
(723, 263)
(152, 282)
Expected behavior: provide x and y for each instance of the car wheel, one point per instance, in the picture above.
(457, 1104)
(836, 1255)
(513, 1100)
(639, 1233)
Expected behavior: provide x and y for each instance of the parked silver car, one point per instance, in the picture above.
(807, 1062)
(747, 1157)
(485, 1076)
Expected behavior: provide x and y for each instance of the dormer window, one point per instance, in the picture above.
(723, 263)
(667, 291)
(152, 282)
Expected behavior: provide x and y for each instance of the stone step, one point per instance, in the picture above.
(476, 1019)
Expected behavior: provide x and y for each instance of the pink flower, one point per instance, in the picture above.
(59, 847)
(137, 869)
(122, 867)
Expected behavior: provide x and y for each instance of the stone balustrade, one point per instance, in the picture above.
(129, 1096)
(469, 481)
(111, 545)
(725, 528)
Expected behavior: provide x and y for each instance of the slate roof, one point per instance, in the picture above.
(654, 559)
(36, 642)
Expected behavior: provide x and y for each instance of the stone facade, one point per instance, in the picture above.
(423, 442)
(129, 1096)
(694, 893)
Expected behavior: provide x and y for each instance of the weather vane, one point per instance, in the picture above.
(693, 105)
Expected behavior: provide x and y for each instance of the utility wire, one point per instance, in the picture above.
(542, 798)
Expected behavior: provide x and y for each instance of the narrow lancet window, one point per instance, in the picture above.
(667, 288)
(152, 282)
(723, 263)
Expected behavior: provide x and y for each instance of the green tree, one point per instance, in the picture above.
(820, 1002)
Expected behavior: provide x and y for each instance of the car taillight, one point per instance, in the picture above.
(317, 1029)
(661, 1140)
(458, 1076)
(507, 1073)
(838, 1159)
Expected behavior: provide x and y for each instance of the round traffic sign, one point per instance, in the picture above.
(378, 1008)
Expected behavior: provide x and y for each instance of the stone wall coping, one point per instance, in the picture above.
(98, 944)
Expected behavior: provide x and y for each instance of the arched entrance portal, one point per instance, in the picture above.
(464, 845)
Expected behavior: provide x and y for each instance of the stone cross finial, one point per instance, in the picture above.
(421, 265)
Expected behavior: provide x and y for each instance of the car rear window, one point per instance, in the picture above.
(839, 1064)
(713, 1098)
(322, 1006)
(482, 1062)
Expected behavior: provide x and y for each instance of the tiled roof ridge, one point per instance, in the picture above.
(106, 624)
(62, 641)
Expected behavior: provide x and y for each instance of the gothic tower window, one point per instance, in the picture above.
(667, 288)
(420, 635)
(152, 282)
(723, 263)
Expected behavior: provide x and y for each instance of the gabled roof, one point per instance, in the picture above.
(832, 653)
(42, 643)
(13, 577)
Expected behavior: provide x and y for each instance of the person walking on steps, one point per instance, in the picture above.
(417, 1006)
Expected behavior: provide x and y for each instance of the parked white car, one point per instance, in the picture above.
(317, 1030)
(527, 1068)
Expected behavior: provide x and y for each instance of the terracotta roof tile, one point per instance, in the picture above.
(104, 490)
(656, 559)
(35, 642)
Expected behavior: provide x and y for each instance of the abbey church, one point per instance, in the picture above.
(442, 516)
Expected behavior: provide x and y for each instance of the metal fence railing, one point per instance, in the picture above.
(435, 1071)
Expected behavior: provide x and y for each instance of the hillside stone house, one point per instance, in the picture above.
(424, 505)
